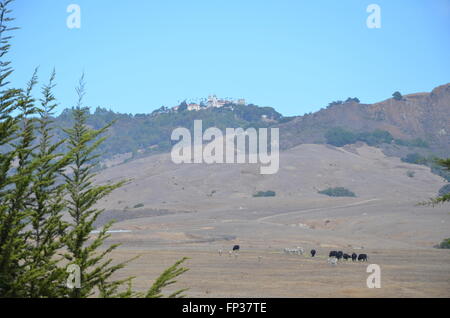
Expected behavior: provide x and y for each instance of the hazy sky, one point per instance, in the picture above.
(294, 55)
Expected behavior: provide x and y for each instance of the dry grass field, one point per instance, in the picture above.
(195, 210)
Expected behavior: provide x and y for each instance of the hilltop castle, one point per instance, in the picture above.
(212, 101)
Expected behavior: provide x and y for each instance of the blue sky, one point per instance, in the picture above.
(293, 55)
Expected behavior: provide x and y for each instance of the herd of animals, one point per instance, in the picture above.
(337, 255)
(333, 256)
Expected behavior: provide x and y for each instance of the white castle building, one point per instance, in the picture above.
(213, 101)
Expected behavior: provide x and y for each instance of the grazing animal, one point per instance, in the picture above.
(298, 250)
(332, 260)
(346, 256)
(290, 250)
(339, 255)
(362, 257)
(354, 256)
(313, 253)
(230, 253)
(220, 252)
(236, 248)
(332, 254)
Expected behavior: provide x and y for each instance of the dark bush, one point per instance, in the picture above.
(340, 137)
(445, 243)
(397, 96)
(444, 190)
(268, 193)
(417, 142)
(337, 192)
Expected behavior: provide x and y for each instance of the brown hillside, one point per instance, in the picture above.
(420, 115)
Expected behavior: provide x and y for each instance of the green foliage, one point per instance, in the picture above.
(414, 158)
(82, 196)
(352, 100)
(417, 142)
(340, 137)
(15, 180)
(410, 173)
(167, 278)
(445, 196)
(42, 180)
(444, 190)
(183, 106)
(268, 193)
(445, 244)
(437, 166)
(397, 95)
(139, 205)
(337, 192)
(150, 133)
(375, 138)
(340, 102)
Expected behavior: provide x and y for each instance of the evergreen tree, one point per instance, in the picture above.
(38, 183)
(83, 194)
(397, 96)
(16, 176)
(46, 212)
(10, 221)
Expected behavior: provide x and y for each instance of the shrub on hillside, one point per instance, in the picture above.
(414, 158)
(429, 162)
(417, 142)
(340, 137)
(338, 192)
(445, 243)
(444, 190)
(268, 193)
(397, 96)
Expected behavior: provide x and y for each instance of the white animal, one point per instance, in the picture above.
(298, 250)
(220, 252)
(332, 260)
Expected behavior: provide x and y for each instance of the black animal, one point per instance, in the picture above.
(362, 257)
(339, 255)
(313, 253)
(354, 256)
(236, 248)
(332, 254)
(346, 256)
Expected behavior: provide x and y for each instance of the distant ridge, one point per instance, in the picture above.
(422, 116)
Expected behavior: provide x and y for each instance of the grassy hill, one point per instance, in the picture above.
(415, 123)
(142, 134)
